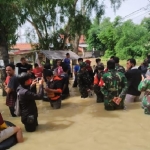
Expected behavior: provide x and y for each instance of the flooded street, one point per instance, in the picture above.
(82, 124)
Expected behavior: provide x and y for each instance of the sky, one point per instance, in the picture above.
(127, 8)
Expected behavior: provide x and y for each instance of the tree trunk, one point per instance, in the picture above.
(5, 58)
(76, 43)
(4, 53)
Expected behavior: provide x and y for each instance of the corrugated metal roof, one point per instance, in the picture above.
(59, 54)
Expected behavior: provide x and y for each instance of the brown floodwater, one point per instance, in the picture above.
(82, 124)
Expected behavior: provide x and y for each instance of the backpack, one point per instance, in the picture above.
(17, 107)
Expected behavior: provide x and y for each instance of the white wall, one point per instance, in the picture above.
(17, 60)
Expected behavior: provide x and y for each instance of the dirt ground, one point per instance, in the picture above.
(82, 124)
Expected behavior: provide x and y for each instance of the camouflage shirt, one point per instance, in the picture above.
(145, 87)
(115, 84)
(120, 68)
(84, 79)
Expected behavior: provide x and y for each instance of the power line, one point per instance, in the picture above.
(137, 11)
(140, 15)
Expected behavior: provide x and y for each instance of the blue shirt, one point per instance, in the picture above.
(67, 62)
(76, 68)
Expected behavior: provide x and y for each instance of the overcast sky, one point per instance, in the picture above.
(127, 7)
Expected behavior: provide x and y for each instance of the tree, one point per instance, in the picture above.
(64, 17)
(42, 15)
(93, 40)
(108, 34)
(124, 39)
(87, 7)
(10, 19)
(133, 40)
(146, 23)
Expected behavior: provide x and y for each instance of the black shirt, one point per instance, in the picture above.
(22, 68)
(13, 84)
(65, 82)
(134, 78)
(27, 101)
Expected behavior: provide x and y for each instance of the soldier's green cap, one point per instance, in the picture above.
(82, 64)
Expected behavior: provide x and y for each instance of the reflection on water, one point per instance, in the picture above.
(82, 124)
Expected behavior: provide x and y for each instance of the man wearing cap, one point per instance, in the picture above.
(84, 80)
(97, 83)
(114, 87)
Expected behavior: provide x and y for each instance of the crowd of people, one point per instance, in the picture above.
(113, 85)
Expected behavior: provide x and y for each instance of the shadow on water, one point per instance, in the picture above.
(105, 114)
(67, 110)
(54, 125)
(135, 105)
(97, 110)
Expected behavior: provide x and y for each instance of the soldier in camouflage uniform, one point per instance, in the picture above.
(84, 80)
(115, 86)
(97, 78)
(144, 86)
(118, 67)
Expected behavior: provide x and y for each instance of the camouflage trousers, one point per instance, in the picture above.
(83, 91)
(109, 104)
(100, 96)
(146, 104)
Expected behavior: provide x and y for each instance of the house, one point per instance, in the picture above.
(19, 50)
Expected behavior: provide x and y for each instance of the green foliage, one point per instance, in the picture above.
(124, 39)
(93, 40)
(49, 16)
(11, 17)
(146, 23)
(132, 41)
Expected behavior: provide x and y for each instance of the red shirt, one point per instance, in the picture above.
(38, 72)
(7, 80)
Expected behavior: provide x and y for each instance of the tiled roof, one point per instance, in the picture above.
(22, 46)
(27, 46)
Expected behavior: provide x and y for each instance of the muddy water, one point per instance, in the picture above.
(81, 124)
